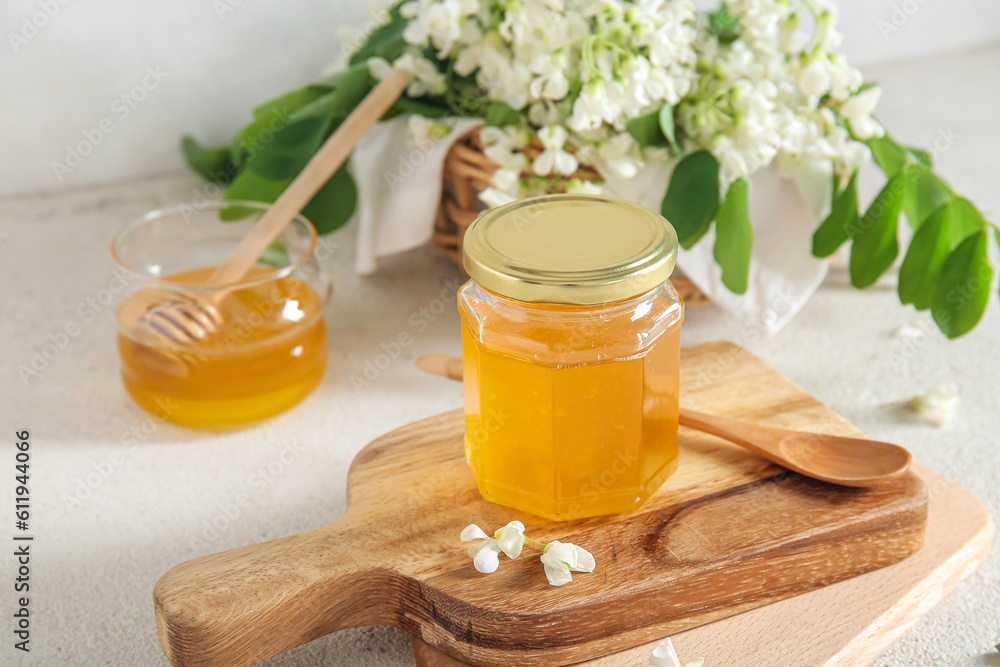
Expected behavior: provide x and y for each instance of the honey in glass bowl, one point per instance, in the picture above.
(571, 355)
(268, 352)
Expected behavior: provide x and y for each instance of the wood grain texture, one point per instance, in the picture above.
(729, 532)
(846, 624)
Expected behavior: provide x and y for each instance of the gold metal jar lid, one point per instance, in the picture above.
(575, 249)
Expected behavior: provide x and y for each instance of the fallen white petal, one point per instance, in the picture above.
(585, 561)
(473, 532)
(557, 576)
(910, 331)
(486, 556)
(511, 539)
(576, 559)
(938, 404)
(664, 655)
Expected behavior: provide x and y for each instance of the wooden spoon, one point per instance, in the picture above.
(830, 458)
(189, 317)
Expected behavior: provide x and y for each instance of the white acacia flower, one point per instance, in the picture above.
(510, 539)
(814, 78)
(911, 331)
(589, 67)
(664, 655)
(506, 180)
(732, 160)
(938, 404)
(582, 187)
(620, 156)
(491, 59)
(844, 79)
(486, 555)
(554, 159)
(560, 559)
(589, 109)
(551, 82)
(439, 21)
(494, 197)
(545, 112)
(499, 144)
(858, 112)
(379, 67)
(513, 87)
(426, 77)
(423, 131)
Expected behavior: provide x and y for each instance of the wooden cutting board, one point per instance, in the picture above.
(729, 532)
(846, 624)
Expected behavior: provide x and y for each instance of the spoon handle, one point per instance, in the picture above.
(762, 440)
(315, 174)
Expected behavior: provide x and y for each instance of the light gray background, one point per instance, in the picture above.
(95, 564)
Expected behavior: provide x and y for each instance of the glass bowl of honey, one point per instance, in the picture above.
(262, 350)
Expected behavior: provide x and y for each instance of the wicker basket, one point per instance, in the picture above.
(467, 172)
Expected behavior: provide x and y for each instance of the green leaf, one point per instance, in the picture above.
(501, 115)
(939, 234)
(668, 128)
(424, 107)
(290, 148)
(875, 246)
(276, 255)
(214, 164)
(963, 289)
(338, 103)
(386, 42)
(692, 196)
(929, 247)
(888, 155)
(250, 186)
(335, 202)
(964, 220)
(288, 103)
(924, 194)
(834, 230)
(922, 157)
(329, 209)
(646, 130)
(724, 25)
(734, 238)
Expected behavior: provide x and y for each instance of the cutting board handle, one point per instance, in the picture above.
(244, 605)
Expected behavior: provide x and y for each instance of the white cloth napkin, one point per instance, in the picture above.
(399, 188)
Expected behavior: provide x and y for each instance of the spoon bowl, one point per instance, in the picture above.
(846, 461)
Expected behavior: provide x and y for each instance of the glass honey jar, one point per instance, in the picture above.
(571, 354)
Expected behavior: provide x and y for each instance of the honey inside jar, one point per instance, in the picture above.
(268, 354)
(571, 355)
(571, 441)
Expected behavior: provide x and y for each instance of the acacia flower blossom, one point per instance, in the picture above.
(858, 112)
(938, 404)
(554, 159)
(559, 559)
(486, 555)
(664, 655)
(427, 80)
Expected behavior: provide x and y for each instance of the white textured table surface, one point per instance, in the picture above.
(112, 511)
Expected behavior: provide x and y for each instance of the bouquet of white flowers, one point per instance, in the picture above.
(620, 84)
